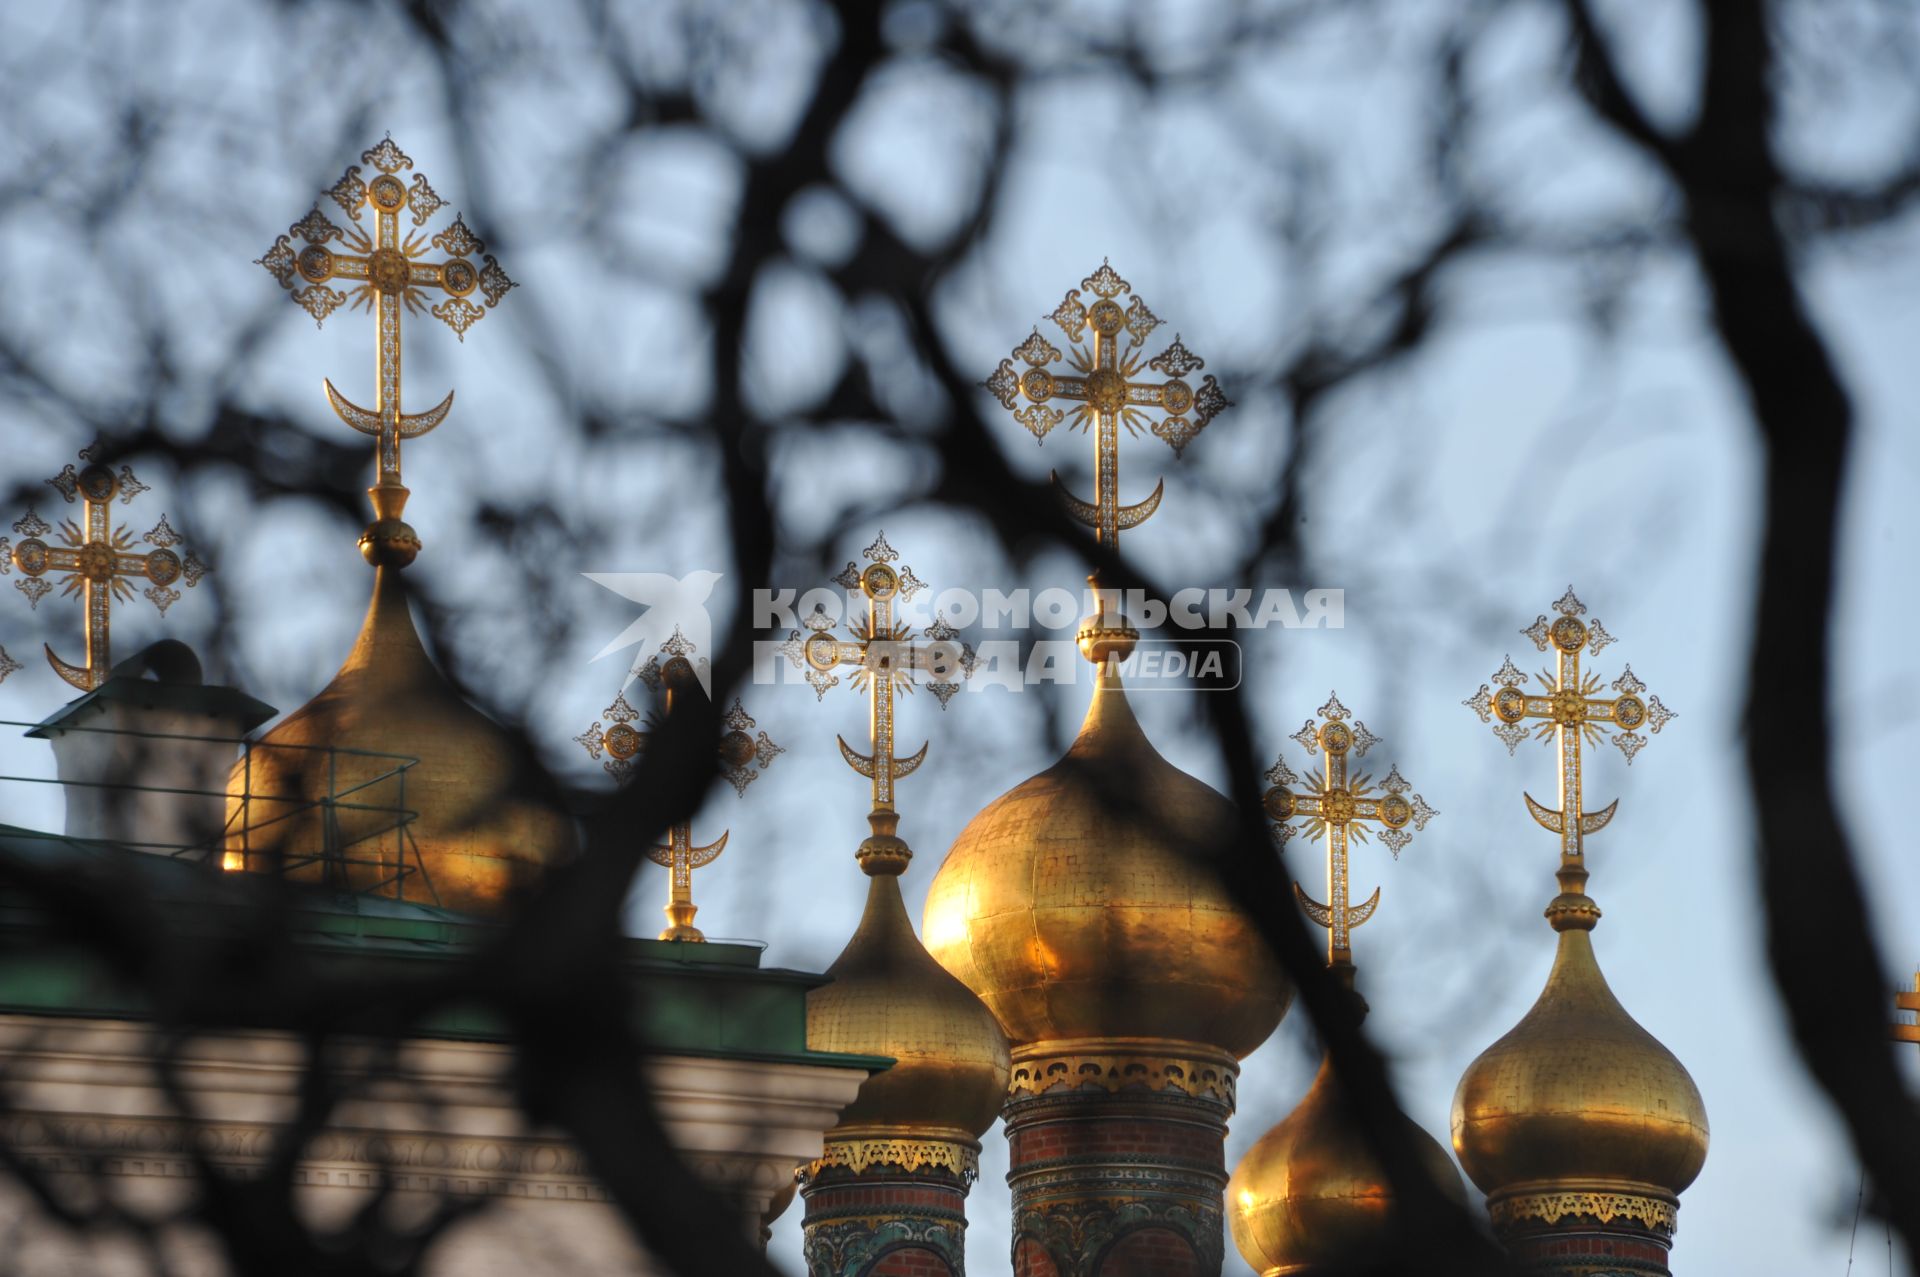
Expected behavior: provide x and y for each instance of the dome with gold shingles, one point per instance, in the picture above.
(1578, 1106)
(1081, 903)
(1309, 1195)
(390, 735)
(889, 997)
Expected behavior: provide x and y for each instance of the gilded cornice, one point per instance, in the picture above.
(1655, 1211)
(1118, 1064)
(917, 1152)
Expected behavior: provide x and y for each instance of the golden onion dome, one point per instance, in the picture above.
(889, 997)
(1309, 1195)
(1578, 1098)
(1077, 907)
(390, 735)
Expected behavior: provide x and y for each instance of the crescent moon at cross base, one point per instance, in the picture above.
(907, 766)
(412, 424)
(1131, 516)
(78, 675)
(1591, 822)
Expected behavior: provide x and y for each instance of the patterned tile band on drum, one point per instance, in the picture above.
(859, 1155)
(1654, 1211)
(878, 1206)
(1117, 1064)
(1116, 1158)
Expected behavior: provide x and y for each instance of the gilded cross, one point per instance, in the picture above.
(98, 561)
(1337, 808)
(1569, 709)
(1105, 394)
(884, 658)
(740, 758)
(385, 273)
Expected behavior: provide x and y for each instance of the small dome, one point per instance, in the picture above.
(889, 997)
(1309, 1196)
(477, 838)
(1578, 1096)
(1075, 906)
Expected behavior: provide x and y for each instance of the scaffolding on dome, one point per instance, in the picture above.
(367, 846)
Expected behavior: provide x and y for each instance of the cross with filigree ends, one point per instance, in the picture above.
(98, 559)
(1335, 807)
(1569, 711)
(1105, 395)
(741, 756)
(885, 658)
(386, 272)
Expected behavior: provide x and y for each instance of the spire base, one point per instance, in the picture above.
(1107, 637)
(883, 851)
(680, 919)
(389, 541)
(1573, 909)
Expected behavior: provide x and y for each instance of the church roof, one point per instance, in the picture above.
(707, 1000)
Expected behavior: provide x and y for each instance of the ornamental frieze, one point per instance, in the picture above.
(1652, 1213)
(1194, 1076)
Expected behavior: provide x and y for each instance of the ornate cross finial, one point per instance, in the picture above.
(385, 272)
(1569, 711)
(1104, 394)
(885, 659)
(98, 561)
(1336, 807)
(741, 755)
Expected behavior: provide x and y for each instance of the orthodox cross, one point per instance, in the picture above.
(1105, 394)
(1570, 711)
(386, 272)
(99, 561)
(1335, 806)
(740, 757)
(885, 659)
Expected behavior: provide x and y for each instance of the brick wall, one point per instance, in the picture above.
(1029, 1260)
(1151, 1252)
(1577, 1246)
(911, 1262)
(1134, 1177)
(1092, 1133)
(886, 1221)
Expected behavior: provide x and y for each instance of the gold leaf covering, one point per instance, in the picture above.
(478, 840)
(889, 997)
(1578, 1097)
(1309, 1196)
(1076, 907)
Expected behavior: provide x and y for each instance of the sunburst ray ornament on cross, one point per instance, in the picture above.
(1568, 709)
(743, 754)
(1099, 386)
(885, 659)
(383, 272)
(1338, 807)
(97, 560)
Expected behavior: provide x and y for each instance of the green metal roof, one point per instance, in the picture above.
(705, 999)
